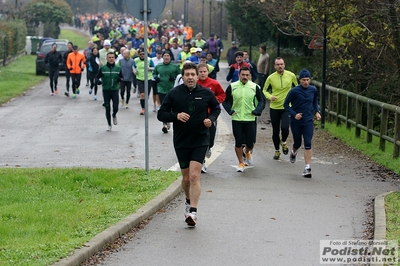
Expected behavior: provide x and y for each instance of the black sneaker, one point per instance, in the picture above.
(165, 129)
(293, 157)
(66, 93)
(307, 172)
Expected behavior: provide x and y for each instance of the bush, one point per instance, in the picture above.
(12, 36)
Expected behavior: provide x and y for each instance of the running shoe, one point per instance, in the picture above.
(293, 157)
(307, 172)
(109, 128)
(187, 209)
(122, 102)
(208, 153)
(51, 94)
(90, 91)
(204, 168)
(115, 120)
(240, 168)
(74, 95)
(66, 93)
(277, 155)
(78, 91)
(168, 126)
(134, 90)
(87, 84)
(285, 149)
(56, 91)
(249, 158)
(142, 112)
(95, 98)
(164, 129)
(126, 106)
(191, 218)
(154, 108)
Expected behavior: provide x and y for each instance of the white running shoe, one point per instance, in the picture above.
(191, 218)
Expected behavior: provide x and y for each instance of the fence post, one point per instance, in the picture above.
(370, 121)
(383, 129)
(396, 147)
(338, 108)
(349, 110)
(359, 107)
(5, 51)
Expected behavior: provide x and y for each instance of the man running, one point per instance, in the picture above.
(193, 109)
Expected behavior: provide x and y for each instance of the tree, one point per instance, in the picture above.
(118, 4)
(49, 12)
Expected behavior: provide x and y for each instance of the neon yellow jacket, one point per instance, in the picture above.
(279, 86)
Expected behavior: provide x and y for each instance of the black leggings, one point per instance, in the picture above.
(67, 77)
(125, 86)
(110, 95)
(53, 75)
(280, 120)
(76, 82)
(93, 84)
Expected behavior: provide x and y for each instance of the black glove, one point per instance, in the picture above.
(81, 69)
(70, 69)
(157, 79)
(119, 79)
(172, 79)
(99, 82)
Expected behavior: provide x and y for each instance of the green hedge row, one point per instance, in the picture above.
(12, 36)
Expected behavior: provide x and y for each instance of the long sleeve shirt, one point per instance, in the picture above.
(302, 100)
(196, 103)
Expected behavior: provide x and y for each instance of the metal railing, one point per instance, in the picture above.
(374, 117)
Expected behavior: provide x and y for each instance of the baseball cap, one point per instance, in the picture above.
(107, 42)
(193, 50)
(233, 42)
(198, 49)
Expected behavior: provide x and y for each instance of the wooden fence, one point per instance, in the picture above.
(375, 118)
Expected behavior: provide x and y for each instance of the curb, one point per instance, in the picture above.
(106, 237)
(380, 219)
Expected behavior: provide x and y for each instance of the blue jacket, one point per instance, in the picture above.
(302, 100)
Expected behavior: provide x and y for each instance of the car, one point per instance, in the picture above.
(41, 66)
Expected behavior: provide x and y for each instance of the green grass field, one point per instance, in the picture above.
(47, 213)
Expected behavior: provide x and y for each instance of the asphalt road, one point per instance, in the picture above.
(268, 215)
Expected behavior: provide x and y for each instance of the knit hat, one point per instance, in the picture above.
(304, 73)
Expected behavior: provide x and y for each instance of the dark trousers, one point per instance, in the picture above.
(280, 121)
(125, 86)
(67, 77)
(213, 132)
(76, 82)
(110, 95)
(53, 75)
(93, 84)
(261, 79)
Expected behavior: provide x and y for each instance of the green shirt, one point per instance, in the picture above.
(279, 86)
(167, 75)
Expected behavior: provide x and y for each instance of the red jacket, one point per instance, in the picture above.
(215, 87)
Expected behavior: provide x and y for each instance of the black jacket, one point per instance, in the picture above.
(200, 103)
(53, 59)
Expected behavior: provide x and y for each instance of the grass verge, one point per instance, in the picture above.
(76, 37)
(392, 206)
(47, 213)
(17, 77)
(371, 150)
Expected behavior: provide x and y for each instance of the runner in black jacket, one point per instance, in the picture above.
(187, 107)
